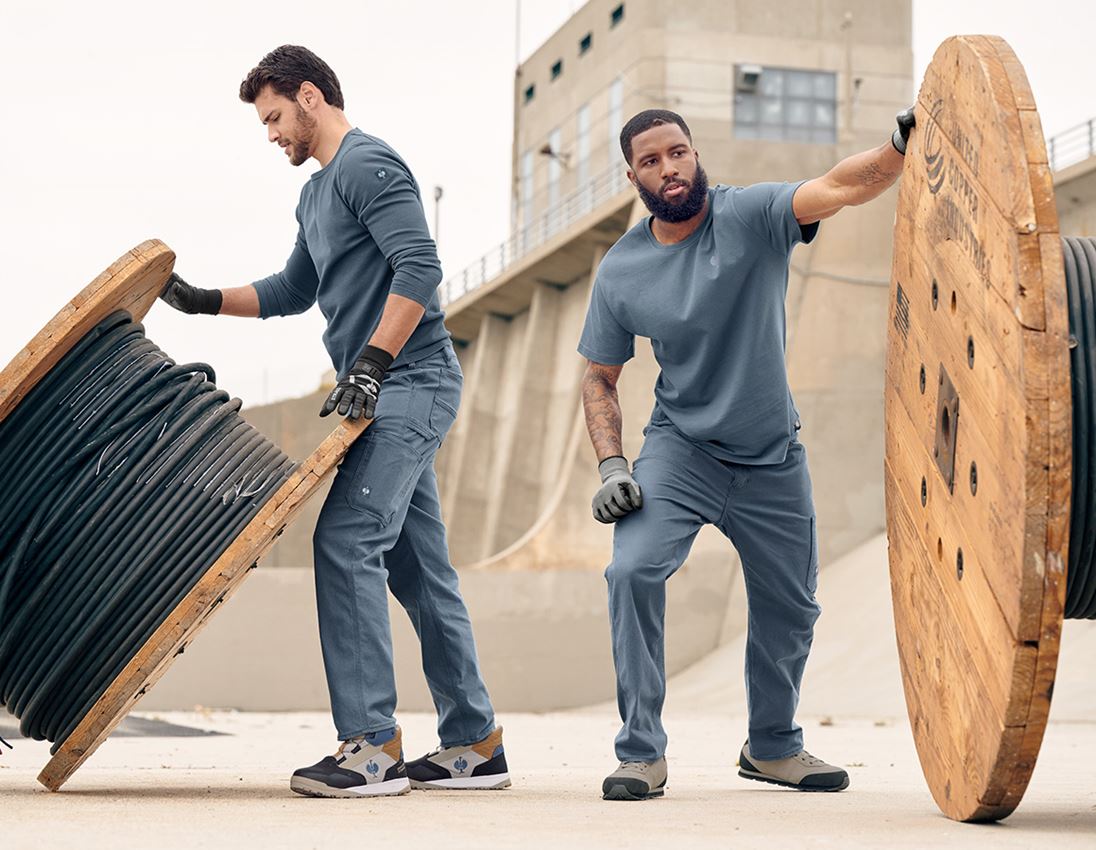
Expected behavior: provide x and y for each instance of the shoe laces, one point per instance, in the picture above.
(642, 766)
(809, 760)
(347, 744)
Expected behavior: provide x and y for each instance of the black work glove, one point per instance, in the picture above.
(906, 122)
(619, 494)
(356, 394)
(189, 299)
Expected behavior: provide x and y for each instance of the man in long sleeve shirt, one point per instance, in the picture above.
(364, 255)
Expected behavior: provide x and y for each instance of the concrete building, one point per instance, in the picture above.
(770, 93)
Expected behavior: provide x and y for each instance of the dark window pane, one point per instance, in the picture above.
(799, 83)
(772, 110)
(825, 85)
(798, 112)
(746, 110)
(586, 43)
(616, 16)
(771, 83)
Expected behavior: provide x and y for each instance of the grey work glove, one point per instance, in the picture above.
(906, 122)
(189, 299)
(619, 494)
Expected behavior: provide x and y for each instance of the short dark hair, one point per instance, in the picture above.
(644, 121)
(285, 68)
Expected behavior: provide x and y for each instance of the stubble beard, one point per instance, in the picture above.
(300, 150)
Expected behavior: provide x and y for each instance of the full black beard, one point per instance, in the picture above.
(683, 210)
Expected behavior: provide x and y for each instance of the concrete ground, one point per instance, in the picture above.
(230, 790)
(164, 781)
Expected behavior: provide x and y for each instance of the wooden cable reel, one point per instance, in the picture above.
(133, 284)
(978, 429)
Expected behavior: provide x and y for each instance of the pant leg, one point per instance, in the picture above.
(424, 581)
(770, 519)
(360, 521)
(682, 490)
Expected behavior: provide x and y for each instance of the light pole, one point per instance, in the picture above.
(438, 192)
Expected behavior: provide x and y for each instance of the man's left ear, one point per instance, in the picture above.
(307, 95)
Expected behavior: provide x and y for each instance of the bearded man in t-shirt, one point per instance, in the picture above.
(704, 278)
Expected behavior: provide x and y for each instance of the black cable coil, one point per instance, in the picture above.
(1080, 266)
(123, 477)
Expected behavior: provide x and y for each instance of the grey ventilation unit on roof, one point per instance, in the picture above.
(746, 78)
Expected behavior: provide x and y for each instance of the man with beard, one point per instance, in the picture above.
(364, 254)
(704, 278)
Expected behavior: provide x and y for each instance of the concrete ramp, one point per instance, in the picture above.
(853, 670)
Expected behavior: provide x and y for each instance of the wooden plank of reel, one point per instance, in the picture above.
(133, 284)
(978, 429)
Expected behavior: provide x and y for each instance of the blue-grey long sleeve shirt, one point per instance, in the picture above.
(362, 235)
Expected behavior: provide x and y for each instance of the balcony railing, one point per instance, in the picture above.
(1072, 145)
(557, 218)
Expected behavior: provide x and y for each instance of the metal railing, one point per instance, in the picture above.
(535, 233)
(1072, 145)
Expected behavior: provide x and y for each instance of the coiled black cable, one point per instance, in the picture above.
(123, 477)
(1080, 268)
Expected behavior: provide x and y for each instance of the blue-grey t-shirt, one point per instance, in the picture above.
(362, 235)
(713, 308)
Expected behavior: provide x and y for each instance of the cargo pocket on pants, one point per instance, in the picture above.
(388, 471)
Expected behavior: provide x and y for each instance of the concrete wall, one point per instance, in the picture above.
(1075, 192)
(517, 471)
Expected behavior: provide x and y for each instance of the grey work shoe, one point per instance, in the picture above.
(358, 769)
(635, 780)
(475, 767)
(801, 771)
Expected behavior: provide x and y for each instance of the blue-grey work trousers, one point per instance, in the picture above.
(768, 514)
(381, 524)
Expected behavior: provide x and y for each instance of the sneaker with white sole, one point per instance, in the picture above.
(474, 767)
(801, 771)
(358, 769)
(635, 780)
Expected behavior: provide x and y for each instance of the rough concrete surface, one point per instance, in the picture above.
(231, 791)
(153, 788)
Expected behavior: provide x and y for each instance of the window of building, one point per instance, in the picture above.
(526, 188)
(616, 112)
(530, 93)
(582, 142)
(785, 104)
(616, 16)
(582, 154)
(585, 43)
(555, 170)
(557, 69)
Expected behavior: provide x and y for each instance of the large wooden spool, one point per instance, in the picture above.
(133, 284)
(978, 442)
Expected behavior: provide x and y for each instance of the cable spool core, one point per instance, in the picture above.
(123, 477)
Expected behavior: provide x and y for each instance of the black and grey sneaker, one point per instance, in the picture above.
(475, 767)
(801, 771)
(635, 780)
(358, 769)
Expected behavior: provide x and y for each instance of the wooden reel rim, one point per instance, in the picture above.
(978, 304)
(133, 283)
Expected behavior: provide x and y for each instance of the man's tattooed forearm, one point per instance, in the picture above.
(872, 175)
(603, 419)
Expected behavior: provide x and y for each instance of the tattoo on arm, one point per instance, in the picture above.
(872, 175)
(602, 408)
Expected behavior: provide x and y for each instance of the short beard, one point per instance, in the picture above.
(683, 210)
(305, 130)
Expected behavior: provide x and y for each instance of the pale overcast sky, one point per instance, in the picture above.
(123, 124)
